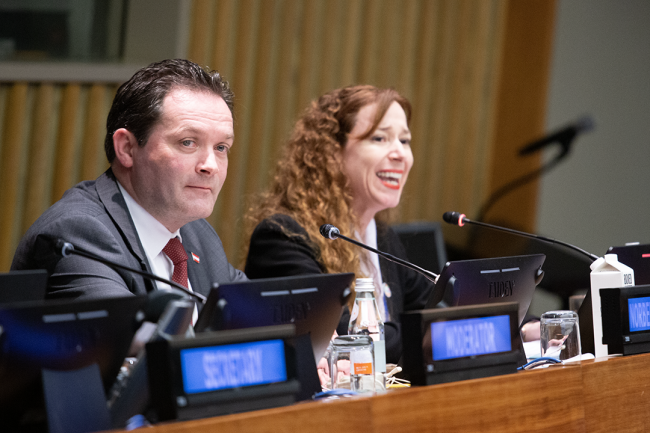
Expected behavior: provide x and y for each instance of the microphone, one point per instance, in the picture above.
(330, 232)
(66, 249)
(563, 136)
(460, 219)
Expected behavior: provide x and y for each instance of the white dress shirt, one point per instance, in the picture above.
(154, 236)
(370, 239)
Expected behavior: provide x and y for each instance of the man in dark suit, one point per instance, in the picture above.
(169, 132)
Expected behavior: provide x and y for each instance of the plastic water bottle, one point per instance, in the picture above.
(365, 319)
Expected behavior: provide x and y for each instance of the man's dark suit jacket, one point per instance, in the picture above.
(279, 246)
(93, 216)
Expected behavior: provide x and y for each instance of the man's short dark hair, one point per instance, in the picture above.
(137, 105)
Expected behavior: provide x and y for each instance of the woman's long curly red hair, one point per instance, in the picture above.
(309, 184)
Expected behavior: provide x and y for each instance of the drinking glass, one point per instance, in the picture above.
(560, 334)
(352, 362)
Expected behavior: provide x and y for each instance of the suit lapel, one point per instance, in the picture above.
(196, 271)
(110, 195)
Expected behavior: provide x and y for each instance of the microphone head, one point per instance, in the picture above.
(329, 231)
(64, 247)
(455, 218)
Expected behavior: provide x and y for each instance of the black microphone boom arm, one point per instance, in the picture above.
(66, 249)
(331, 232)
(460, 219)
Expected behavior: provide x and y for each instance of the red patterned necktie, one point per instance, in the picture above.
(175, 251)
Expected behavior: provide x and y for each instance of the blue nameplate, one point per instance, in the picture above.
(626, 319)
(217, 373)
(470, 337)
(444, 345)
(233, 366)
(639, 314)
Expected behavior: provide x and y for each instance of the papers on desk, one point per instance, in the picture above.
(582, 357)
(533, 349)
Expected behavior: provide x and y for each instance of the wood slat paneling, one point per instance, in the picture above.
(93, 156)
(423, 98)
(518, 118)
(265, 92)
(521, 106)
(52, 137)
(201, 37)
(454, 59)
(245, 63)
(439, 53)
(12, 147)
(350, 50)
(40, 166)
(66, 142)
(282, 106)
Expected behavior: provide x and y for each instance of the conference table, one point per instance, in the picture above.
(603, 395)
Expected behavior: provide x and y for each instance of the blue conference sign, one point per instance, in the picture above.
(234, 365)
(639, 313)
(470, 337)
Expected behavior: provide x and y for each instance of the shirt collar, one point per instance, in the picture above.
(153, 234)
(370, 237)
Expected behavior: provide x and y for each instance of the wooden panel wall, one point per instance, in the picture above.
(280, 54)
(51, 137)
(520, 118)
(446, 56)
(521, 103)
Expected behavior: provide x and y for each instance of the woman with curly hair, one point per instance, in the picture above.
(347, 160)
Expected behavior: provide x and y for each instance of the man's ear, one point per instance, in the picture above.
(124, 143)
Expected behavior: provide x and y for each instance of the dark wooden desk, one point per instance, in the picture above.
(608, 395)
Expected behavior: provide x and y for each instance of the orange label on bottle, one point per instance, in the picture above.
(363, 368)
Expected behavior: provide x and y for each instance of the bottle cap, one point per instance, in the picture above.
(364, 285)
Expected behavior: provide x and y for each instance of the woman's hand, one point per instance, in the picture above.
(530, 331)
(323, 371)
(323, 367)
